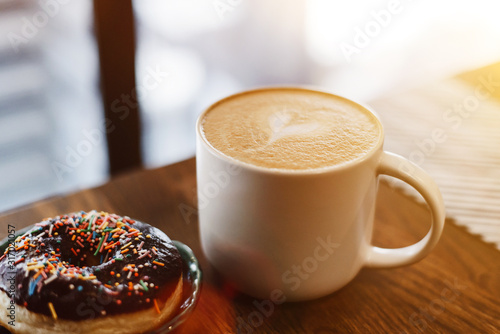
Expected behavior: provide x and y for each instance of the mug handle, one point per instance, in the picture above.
(403, 169)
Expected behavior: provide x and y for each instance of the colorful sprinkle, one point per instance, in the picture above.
(98, 247)
(156, 306)
(53, 311)
(145, 287)
(130, 243)
(50, 279)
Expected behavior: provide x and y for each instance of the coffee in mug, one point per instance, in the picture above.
(290, 129)
(287, 181)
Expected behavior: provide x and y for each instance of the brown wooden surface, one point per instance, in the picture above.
(115, 35)
(456, 289)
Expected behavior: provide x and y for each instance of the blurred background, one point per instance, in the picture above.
(191, 53)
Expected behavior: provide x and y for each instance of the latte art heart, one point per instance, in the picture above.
(282, 124)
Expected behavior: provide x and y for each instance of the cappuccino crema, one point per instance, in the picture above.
(290, 128)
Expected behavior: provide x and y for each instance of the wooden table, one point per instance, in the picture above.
(456, 289)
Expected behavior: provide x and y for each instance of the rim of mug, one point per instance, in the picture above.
(312, 171)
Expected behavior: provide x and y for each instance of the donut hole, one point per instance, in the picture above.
(86, 258)
(91, 260)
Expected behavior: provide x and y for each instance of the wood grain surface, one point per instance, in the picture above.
(456, 289)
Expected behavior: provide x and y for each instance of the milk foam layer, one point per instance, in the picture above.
(290, 129)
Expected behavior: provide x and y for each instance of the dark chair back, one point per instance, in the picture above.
(115, 34)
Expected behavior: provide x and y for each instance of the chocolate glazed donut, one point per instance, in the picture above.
(86, 266)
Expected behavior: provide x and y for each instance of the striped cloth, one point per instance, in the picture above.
(452, 130)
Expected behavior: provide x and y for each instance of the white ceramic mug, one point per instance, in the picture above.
(301, 235)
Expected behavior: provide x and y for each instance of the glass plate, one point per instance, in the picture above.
(191, 289)
(191, 284)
